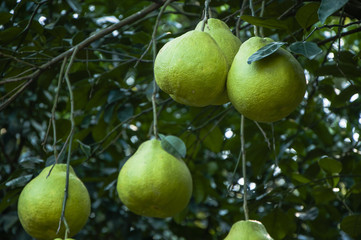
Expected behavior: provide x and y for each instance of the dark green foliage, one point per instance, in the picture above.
(303, 172)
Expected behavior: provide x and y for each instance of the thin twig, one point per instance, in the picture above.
(255, 28)
(238, 24)
(261, 15)
(52, 118)
(98, 35)
(19, 91)
(11, 91)
(331, 39)
(98, 144)
(264, 134)
(71, 134)
(24, 33)
(332, 26)
(244, 172)
(18, 77)
(17, 59)
(155, 86)
(206, 14)
(54, 108)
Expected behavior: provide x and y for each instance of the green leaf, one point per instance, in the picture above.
(298, 177)
(62, 128)
(78, 37)
(75, 5)
(212, 138)
(9, 199)
(200, 188)
(125, 112)
(343, 98)
(341, 69)
(140, 37)
(265, 51)
(5, 17)
(328, 7)
(10, 218)
(306, 16)
(9, 34)
(330, 165)
(323, 132)
(307, 49)
(279, 224)
(85, 148)
(351, 225)
(108, 112)
(19, 182)
(30, 162)
(114, 96)
(323, 195)
(265, 22)
(173, 145)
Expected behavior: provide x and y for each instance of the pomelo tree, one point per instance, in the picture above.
(77, 85)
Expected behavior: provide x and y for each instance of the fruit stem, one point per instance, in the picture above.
(155, 86)
(206, 14)
(253, 15)
(244, 173)
(70, 137)
(238, 24)
(261, 15)
(52, 119)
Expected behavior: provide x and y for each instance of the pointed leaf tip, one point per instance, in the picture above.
(173, 145)
(328, 7)
(265, 51)
(307, 49)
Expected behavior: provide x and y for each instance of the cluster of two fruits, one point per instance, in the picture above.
(152, 183)
(211, 67)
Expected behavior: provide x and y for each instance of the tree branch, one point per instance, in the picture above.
(331, 39)
(132, 18)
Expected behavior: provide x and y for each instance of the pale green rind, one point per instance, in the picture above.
(266, 90)
(227, 42)
(154, 183)
(248, 230)
(220, 32)
(191, 69)
(40, 204)
(212, 23)
(64, 239)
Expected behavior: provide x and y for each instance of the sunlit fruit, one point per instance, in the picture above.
(248, 230)
(154, 183)
(41, 201)
(227, 42)
(266, 90)
(192, 69)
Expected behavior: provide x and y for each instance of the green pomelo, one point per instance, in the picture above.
(228, 43)
(220, 32)
(41, 201)
(154, 183)
(266, 90)
(191, 69)
(248, 230)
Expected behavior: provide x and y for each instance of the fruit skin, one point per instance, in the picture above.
(220, 32)
(266, 90)
(40, 204)
(191, 69)
(248, 230)
(227, 42)
(154, 183)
